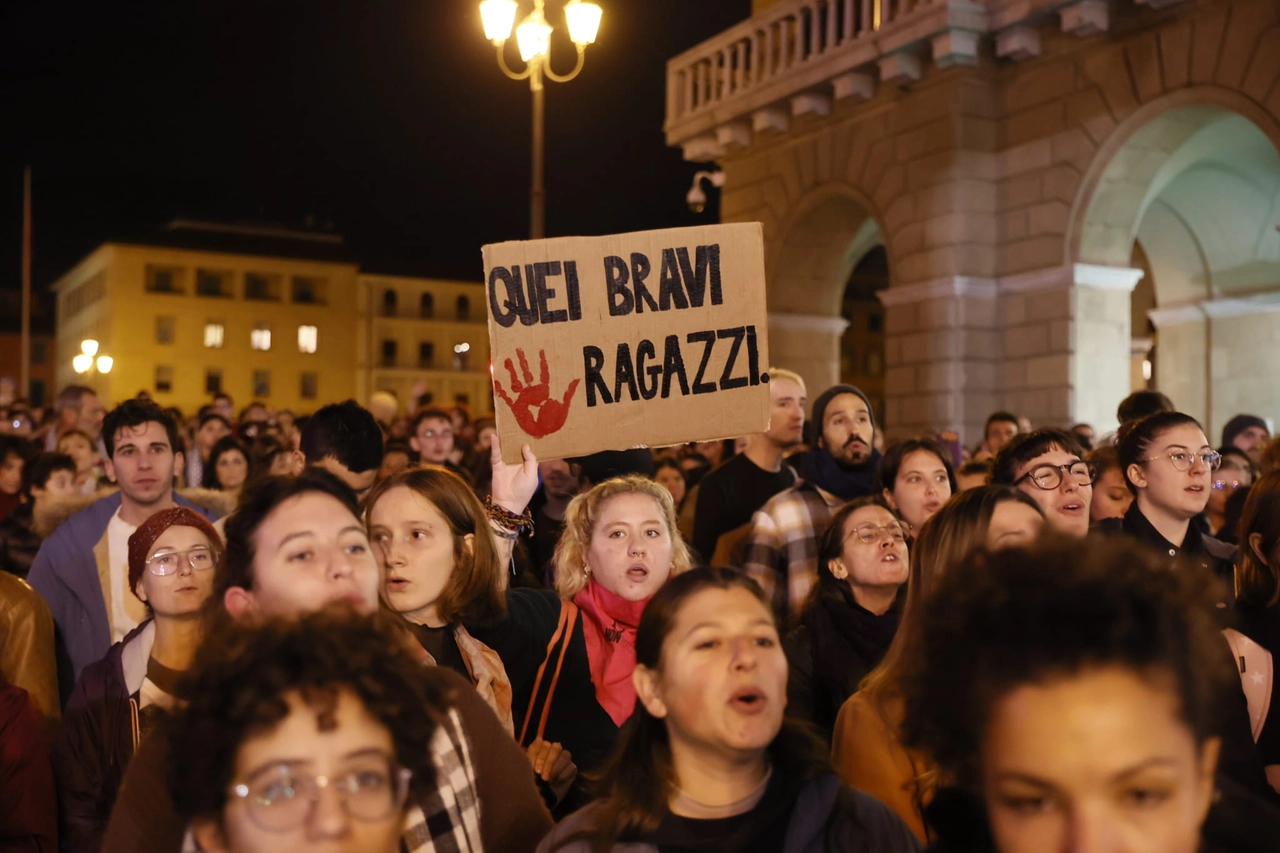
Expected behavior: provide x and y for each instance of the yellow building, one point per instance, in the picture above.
(424, 332)
(260, 314)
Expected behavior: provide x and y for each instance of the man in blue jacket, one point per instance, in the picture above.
(82, 568)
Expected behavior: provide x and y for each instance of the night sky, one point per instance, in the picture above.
(388, 119)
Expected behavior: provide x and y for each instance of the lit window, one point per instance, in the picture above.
(307, 338)
(260, 337)
(213, 335)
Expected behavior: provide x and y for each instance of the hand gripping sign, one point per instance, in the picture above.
(609, 343)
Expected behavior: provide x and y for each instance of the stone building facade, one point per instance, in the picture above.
(1058, 187)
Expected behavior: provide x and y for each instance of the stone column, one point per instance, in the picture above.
(1067, 343)
(808, 344)
(1182, 358)
(1244, 351)
(1103, 342)
(942, 352)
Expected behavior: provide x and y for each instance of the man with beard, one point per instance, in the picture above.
(782, 548)
(730, 495)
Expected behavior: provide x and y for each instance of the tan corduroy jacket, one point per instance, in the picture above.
(869, 756)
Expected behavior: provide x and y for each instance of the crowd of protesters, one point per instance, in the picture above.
(362, 630)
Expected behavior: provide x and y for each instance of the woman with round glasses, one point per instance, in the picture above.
(853, 613)
(866, 745)
(1048, 466)
(118, 699)
(1169, 465)
(307, 736)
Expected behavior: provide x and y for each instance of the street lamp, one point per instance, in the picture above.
(85, 362)
(533, 38)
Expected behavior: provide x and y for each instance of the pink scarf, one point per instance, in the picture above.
(609, 626)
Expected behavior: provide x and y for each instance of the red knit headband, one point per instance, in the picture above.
(149, 531)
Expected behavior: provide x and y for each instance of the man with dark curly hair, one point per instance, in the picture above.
(286, 710)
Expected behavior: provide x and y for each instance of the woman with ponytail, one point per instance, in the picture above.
(707, 760)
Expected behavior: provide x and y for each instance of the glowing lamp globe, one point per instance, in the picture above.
(533, 36)
(583, 20)
(498, 17)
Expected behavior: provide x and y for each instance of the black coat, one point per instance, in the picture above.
(19, 542)
(837, 644)
(576, 720)
(92, 749)
(1199, 547)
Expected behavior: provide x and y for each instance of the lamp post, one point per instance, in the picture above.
(89, 362)
(533, 37)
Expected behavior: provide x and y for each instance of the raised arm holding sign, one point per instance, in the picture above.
(608, 343)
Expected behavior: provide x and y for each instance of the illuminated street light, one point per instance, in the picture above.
(85, 362)
(533, 39)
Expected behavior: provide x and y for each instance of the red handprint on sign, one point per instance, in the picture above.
(550, 413)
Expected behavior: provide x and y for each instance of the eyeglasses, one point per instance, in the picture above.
(1233, 485)
(869, 533)
(1049, 477)
(165, 563)
(1183, 459)
(279, 798)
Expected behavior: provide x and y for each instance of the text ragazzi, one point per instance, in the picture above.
(525, 294)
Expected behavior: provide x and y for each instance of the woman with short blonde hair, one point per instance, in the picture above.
(580, 520)
(570, 652)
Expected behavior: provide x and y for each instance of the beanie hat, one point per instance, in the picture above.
(824, 400)
(1239, 424)
(142, 540)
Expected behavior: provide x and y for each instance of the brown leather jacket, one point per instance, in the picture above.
(26, 646)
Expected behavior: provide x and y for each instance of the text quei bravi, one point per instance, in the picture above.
(530, 294)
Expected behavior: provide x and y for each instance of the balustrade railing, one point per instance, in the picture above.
(772, 44)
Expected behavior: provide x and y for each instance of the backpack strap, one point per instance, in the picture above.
(562, 637)
(1256, 667)
(134, 727)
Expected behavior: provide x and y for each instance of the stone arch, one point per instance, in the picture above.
(823, 237)
(1190, 183)
(1138, 161)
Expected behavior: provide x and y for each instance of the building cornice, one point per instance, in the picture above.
(940, 288)
(809, 323)
(1049, 278)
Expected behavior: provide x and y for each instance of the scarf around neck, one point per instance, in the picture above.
(609, 628)
(842, 629)
(823, 471)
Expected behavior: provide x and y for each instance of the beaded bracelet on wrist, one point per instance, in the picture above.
(506, 519)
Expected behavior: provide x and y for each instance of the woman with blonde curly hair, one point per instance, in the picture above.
(570, 653)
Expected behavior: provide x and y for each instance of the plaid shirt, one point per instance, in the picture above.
(448, 819)
(782, 548)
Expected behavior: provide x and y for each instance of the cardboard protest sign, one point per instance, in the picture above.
(609, 343)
